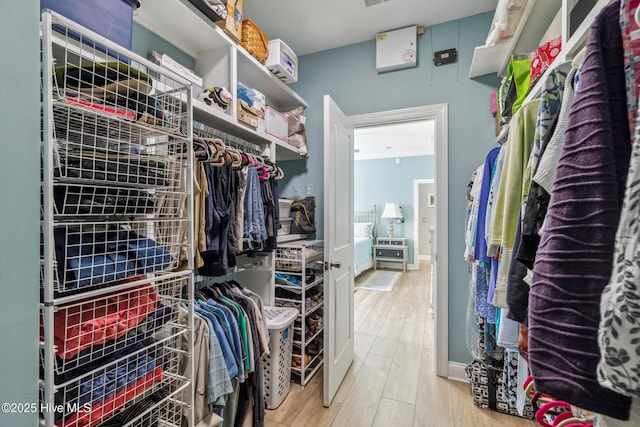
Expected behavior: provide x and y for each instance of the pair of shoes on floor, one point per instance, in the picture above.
(296, 361)
(315, 347)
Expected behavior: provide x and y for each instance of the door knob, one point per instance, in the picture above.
(332, 264)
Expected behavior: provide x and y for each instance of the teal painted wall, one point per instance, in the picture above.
(379, 181)
(349, 75)
(144, 42)
(20, 213)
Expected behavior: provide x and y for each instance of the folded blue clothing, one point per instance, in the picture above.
(106, 382)
(287, 279)
(89, 259)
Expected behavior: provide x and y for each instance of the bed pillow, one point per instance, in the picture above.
(363, 229)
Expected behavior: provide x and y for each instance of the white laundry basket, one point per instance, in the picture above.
(277, 365)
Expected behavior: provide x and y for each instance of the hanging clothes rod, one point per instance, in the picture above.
(205, 131)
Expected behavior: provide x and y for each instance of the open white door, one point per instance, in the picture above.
(338, 248)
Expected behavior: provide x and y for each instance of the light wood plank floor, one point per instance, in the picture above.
(391, 381)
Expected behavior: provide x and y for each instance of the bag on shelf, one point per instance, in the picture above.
(297, 132)
(515, 87)
(303, 213)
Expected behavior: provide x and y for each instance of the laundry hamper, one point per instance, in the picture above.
(277, 365)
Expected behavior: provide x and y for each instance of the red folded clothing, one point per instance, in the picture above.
(101, 320)
(103, 410)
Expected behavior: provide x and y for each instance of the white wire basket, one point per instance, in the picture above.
(135, 373)
(89, 331)
(90, 254)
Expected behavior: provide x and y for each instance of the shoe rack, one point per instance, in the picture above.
(299, 283)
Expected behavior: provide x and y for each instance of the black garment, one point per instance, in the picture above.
(139, 171)
(217, 213)
(534, 213)
(76, 200)
(233, 247)
(517, 289)
(136, 410)
(269, 216)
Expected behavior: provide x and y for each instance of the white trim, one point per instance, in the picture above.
(456, 372)
(416, 216)
(440, 113)
(424, 257)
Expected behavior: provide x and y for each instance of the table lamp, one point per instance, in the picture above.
(392, 212)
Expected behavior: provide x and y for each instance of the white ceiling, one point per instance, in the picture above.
(308, 26)
(396, 140)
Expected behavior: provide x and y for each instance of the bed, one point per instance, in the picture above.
(364, 228)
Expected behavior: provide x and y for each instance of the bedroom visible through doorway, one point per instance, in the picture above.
(381, 194)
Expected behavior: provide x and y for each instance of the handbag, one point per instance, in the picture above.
(303, 213)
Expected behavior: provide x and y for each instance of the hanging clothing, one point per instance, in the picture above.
(487, 177)
(550, 101)
(619, 330)
(573, 263)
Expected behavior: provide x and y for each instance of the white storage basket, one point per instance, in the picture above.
(277, 365)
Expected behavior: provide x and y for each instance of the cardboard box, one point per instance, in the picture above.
(247, 114)
(277, 124)
(260, 103)
(233, 24)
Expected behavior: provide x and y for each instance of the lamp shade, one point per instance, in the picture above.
(392, 210)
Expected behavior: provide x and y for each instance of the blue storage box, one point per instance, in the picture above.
(112, 19)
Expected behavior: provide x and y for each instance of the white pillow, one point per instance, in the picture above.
(363, 229)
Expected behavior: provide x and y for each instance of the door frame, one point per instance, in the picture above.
(440, 114)
(416, 216)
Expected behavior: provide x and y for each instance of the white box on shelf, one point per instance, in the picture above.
(277, 124)
(282, 62)
(169, 63)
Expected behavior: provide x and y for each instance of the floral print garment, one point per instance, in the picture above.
(619, 329)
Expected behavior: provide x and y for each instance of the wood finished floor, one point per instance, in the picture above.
(391, 381)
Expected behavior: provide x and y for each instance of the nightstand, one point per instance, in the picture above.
(390, 249)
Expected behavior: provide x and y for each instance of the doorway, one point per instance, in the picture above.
(439, 115)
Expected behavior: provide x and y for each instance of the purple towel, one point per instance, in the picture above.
(574, 261)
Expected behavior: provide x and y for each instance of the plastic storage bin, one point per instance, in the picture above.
(277, 365)
(285, 226)
(282, 62)
(284, 207)
(112, 19)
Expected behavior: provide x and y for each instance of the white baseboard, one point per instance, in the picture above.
(424, 257)
(456, 372)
